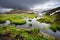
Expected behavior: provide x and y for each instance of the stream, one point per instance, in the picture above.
(35, 24)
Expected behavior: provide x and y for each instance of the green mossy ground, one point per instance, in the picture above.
(17, 19)
(2, 20)
(47, 19)
(22, 34)
(18, 22)
(55, 25)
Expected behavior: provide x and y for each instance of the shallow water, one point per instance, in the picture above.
(36, 24)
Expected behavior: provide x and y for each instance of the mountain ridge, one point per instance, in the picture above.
(48, 12)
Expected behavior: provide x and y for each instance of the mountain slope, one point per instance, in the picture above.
(52, 10)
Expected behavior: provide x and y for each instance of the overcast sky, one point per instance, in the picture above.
(6, 5)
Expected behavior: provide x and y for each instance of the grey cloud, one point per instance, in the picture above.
(26, 4)
(2, 10)
(22, 4)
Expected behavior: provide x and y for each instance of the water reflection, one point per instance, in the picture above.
(36, 24)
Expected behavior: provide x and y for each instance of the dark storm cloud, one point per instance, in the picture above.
(22, 4)
(28, 4)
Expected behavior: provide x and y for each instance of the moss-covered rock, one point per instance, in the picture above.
(2, 20)
(18, 22)
(30, 25)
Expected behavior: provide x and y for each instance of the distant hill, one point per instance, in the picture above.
(17, 11)
(52, 10)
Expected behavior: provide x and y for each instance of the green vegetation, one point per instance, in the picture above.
(30, 20)
(25, 34)
(18, 22)
(30, 25)
(17, 19)
(17, 16)
(9, 31)
(36, 16)
(55, 25)
(2, 20)
(47, 19)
